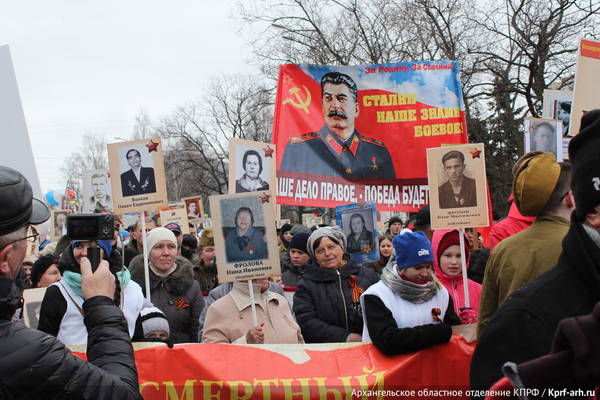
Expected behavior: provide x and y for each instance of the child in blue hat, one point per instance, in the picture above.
(408, 310)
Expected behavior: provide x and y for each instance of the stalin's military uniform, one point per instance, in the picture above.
(324, 153)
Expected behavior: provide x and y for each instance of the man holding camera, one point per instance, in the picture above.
(35, 365)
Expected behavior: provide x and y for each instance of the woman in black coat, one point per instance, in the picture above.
(326, 302)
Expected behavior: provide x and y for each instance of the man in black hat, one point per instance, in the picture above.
(394, 226)
(35, 365)
(523, 327)
(423, 222)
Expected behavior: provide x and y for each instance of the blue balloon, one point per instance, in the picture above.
(50, 198)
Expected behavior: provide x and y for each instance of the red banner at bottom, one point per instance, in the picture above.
(320, 371)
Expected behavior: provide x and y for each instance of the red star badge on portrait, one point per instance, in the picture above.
(475, 153)
(173, 213)
(264, 198)
(268, 151)
(152, 146)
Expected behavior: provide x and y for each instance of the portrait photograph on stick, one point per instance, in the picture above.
(358, 223)
(175, 213)
(137, 175)
(97, 191)
(194, 209)
(251, 166)
(245, 236)
(544, 135)
(59, 221)
(457, 186)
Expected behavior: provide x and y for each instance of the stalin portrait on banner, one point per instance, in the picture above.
(338, 149)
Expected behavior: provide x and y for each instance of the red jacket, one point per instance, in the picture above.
(512, 224)
(454, 284)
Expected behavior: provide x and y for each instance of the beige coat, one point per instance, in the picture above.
(229, 318)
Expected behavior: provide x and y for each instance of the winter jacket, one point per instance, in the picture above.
(518, 260)
(204, 276)
(177, 295)
(454, 284)
(523, 327)
(60, 315)
(323, 301)
(221, 291)
(229, 318)
(130, 251)
(37, 366)
(290, 274)
(397, 326)
(510, 225)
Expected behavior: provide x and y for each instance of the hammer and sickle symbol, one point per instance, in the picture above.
(300, 104)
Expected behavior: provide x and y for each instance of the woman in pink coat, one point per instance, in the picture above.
(448, 270)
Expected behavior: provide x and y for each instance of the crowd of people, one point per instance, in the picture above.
(539, 275)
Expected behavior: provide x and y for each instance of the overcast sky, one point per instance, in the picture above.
(90, 67)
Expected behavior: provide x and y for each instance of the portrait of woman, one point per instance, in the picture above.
(360, 237)
(253, 166)
(245, 242)
(192, 208)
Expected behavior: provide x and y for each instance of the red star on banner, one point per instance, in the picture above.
(268, 151)
(475, 153)
(152, 146)
(264, 198)
(287, 79)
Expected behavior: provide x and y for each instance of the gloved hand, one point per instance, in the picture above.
(582, 336)
(468, 315)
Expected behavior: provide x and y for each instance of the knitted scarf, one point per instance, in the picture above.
(409, 291)
(73, 279)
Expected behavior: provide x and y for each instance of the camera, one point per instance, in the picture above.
(90, 226)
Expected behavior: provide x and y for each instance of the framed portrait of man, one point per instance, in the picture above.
(544, 135)
(194, 209)
(358, 223)
(97, 191)
(251, 167)
(457, 186)
(245, 236)
(59, 224)
(137, 175)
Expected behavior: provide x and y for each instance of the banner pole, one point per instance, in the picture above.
(254, 319)
(463, 261)
(145, 253)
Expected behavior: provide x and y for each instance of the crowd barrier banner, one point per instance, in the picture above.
(314, 371)
(401, 109)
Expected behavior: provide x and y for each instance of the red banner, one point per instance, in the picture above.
(375, 149)
(324, 371)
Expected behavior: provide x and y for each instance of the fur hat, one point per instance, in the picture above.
(412, 248)
(153, 319)
(299, 241)
(534, 183)
(159, 234)
(207, 238)
(40, 266)
(393, 220)
(584, 153)
(334, 233)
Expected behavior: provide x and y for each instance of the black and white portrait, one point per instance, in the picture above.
(139, 178)
(250, 177)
